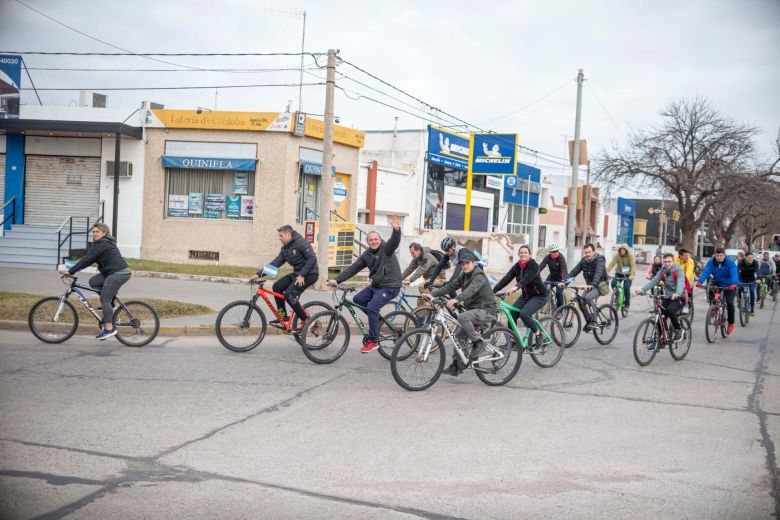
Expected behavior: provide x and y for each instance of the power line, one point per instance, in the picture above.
(565, 84)
(314, 55)
(31, 83)
(232, 70)
(187, 87)
(604, 108)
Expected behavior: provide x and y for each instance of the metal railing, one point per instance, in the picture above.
(12, 216)
(100, 210)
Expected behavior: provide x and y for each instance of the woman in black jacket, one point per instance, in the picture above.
(526, 274)
(114, 273)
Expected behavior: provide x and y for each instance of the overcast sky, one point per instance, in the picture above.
(478, 62)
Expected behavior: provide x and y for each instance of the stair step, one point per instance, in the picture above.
(36, 256)
(27, 243)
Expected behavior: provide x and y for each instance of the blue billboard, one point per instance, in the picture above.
(626, 207)
(626, 210)
(448, 148)
(524, 187)
(10, 85)
(493, 154)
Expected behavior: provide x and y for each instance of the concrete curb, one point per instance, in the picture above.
(211, 279)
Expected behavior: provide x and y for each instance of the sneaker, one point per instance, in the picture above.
(651, 347)
(752, 313)
(476, 348)
(589, 326)
(106, 334)
(453, 370)
(370, 346)
(678, 335)
(730, 329)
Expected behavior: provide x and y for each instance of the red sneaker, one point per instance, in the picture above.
(730, 329)
(369, 347)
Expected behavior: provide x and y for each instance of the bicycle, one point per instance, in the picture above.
(241, 325)
(54, 319)
(554, 336)
(552, 302)
(329, 328)
(762, 289)
(606, 316)
(774, 287)
(716, 313)
(654, 333)
(417, 360)
(744, 304)
(618, 299)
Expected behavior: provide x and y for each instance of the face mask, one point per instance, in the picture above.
(554, 255)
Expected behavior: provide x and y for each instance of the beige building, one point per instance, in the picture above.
(218, 184)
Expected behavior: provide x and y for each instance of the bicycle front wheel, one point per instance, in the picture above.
(712, 324)
(136, 324)
(571, 322)
(607, 327)
(679, 349)
(552, 349)
(311, 309)
(391, 328)
(646, 342)
(240, 326)
(52, 320)
(505, 357)
(325, 337)
(744, 310)
(424, 366)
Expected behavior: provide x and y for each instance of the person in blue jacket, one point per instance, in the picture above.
(724, 274)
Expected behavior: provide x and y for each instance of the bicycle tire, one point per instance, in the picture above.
(690, 308)
(504, 368)
(722, 317)
(744, 310)
(646, 335)
(762, 296)
(711, 324)
(404, 370)
(420, 317)
(571, 321)
(66, 325)
(133, 331)
(391, 328)
(233, 331)
(609, 314)
(680, 349)
(332, 329)
(320, 306)
(555, 348)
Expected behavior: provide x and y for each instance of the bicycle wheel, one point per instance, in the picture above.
(552, 350)
(607, 328)
(712, 324)
(762, 296)
(571, 322)
(690, 308)
(325, 337)
(391, 327)
(51, 322)
(311, 309)
(679, 349)
(240, 326)
(422, 369)
(744, 310)
(136, 324)
(420, 317)
(646, 342)
(505, 359)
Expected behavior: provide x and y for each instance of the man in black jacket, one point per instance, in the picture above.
(594, 270)
(384, 273)
(297, 252)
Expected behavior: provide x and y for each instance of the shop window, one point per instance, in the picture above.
(308, 197)
(542, 240)
(215, 194)
(520, 219)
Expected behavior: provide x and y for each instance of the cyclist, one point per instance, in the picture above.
(767, 269)
(654, 267)
(477, 297)
(672, 277)
(592, 265)
(526, 274)
(385, 275)
(724, 274)
(748, 271)
(556, 264)
(114, 273)
(424, 261)
(625, 264)
(684, 260)
(298, 252)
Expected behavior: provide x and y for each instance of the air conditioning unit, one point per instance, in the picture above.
(92, 99)
(125, 169)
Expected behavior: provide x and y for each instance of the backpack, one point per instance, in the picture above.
(687, 285)
(438, 254)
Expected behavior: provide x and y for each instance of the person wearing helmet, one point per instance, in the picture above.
(451, 249)
(556, 264)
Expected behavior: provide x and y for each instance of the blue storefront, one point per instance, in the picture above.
(522, 193)
(626, 212)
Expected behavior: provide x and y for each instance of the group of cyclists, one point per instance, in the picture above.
(468, 286)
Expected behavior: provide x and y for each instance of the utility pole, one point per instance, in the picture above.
(586, 226)
(300, 83)
(326, 185)
(701, 237)
(661, 220)
(575, 167)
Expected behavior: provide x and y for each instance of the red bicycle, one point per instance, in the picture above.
(241, 325)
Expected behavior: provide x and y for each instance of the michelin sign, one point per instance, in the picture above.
(448, 148)
(10, 85)
(493, 154)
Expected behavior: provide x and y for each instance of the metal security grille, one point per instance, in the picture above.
(60, 187)
(456, 216)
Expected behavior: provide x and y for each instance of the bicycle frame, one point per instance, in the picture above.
(656, 313)
(619, 291)
(340, 303)
(263, 293)
(522, 338)
(403, 302)
(74, 288)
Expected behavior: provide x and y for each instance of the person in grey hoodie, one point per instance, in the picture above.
(385, 275)
(114, 273)
(672, 277)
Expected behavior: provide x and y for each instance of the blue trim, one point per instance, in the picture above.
(313, 168)
(209, 163)
(14, 176)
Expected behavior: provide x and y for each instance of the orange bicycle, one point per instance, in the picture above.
(241, 325)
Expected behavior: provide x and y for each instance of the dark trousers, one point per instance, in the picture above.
(729, 295)
(108, 287)
(373, 299)
(558, 291)
(752, 289)
(528, 307)
(286, 285)
(626, 290)
(672, 309)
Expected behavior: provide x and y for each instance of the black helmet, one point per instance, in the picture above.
(447, 242)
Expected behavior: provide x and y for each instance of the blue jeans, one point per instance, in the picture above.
(558, 291)
(752, 287)
(626, 290)
(373, 299)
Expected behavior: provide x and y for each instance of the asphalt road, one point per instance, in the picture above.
(185, 428)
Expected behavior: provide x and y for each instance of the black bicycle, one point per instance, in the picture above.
(54, 319)
(655, 332)
(604, 329)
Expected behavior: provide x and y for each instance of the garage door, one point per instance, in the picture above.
(456, 216)
(60, 187)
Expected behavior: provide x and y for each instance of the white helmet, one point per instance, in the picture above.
(552, 247)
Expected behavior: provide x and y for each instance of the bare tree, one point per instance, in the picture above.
(691, 155)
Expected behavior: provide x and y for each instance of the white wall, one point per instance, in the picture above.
(131, 191)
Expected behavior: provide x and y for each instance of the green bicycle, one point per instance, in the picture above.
(762, 289)
(619, 294)
(325, 336)
(554, 344)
